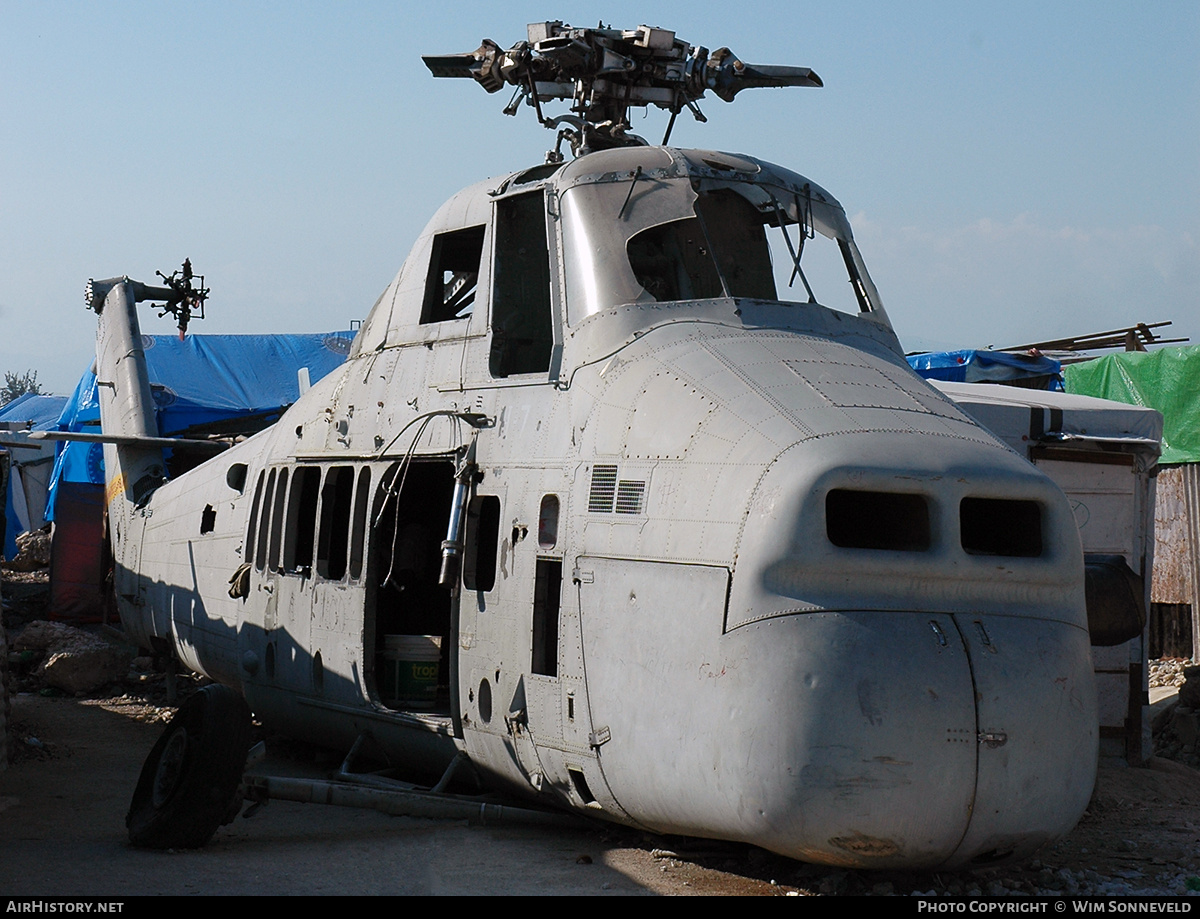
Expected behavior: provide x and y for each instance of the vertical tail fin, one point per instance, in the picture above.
(133, 451)
(132, 471)
(133, 466)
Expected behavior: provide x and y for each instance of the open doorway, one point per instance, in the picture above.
(408, 628)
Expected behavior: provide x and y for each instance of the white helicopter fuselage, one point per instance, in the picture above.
(728, 567)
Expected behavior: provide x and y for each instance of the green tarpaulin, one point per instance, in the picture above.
(1167, 380)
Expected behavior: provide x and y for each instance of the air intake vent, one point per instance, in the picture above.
(877, 520)
(1001, 526)
(604, 488)
(629, 496)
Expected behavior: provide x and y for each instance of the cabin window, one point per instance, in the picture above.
(548, 522)
(235, 477)
(362, 496)
(547, 591)
(277, 519)
(522, 334)
(260, 557)
(335, 522)
(301, 518)
(248, 552)
(482, 540)
(453, 275)
(1001, 526)
(827, 274)
(877, 520)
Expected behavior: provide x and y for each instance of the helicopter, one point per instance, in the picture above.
(598, 513)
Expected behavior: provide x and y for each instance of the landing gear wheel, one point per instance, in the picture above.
(188, 786)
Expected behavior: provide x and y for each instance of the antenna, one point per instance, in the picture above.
(604, 72)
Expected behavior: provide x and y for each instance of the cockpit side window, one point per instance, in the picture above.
(453, 275)
(522, 332)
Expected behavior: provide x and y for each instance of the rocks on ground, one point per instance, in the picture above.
(33, 551)
(1169, 671)
(1176, 729)
(74, 660)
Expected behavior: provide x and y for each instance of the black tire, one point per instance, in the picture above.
(189, 782)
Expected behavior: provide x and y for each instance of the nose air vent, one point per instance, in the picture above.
(1001, 526)
(604, 489)
(877, 520)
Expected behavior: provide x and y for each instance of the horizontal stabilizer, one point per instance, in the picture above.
(129, 440)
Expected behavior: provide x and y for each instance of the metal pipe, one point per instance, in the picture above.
(399, 803)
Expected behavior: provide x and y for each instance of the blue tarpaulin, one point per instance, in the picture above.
(35, 413)
(987, 367)
(201, 380)
(25, 413)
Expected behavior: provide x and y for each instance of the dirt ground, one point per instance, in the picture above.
(62, 807)
(63, 803)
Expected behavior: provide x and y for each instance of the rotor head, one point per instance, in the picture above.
(604, 72)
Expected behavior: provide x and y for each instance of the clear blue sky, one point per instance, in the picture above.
(1013, 171)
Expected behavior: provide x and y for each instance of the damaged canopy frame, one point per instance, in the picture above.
(686, 231)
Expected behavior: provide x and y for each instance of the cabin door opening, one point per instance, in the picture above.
(410, 627)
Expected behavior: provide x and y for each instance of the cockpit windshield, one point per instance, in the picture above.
(654, 237)
(697, 257)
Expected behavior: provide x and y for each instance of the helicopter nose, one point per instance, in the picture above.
(912, 738)
(928, 612)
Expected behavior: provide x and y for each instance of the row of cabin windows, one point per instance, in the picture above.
(522, 333)
(304, 514)
(309, 513)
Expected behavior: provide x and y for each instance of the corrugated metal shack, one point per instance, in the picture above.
(1168, 380)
